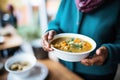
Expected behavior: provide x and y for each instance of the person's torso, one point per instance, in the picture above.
(100, 25)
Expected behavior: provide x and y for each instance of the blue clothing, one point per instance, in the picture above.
(102, 25)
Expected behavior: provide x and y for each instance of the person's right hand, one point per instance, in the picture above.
(46, 38)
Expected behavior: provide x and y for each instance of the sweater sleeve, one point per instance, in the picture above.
(55, 24)
(114, 48)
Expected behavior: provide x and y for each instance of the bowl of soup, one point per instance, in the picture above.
(21, 64)
(72, 47)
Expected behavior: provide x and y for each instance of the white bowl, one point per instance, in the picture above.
(30, 58)
(70, 56)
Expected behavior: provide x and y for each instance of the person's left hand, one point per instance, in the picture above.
(98, 59)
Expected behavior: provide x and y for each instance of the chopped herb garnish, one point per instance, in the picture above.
(72, 39)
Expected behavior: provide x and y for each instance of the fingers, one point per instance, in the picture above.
(51, 34)
(98, 59)
(45, 44)
(45, 40)
(101, 50)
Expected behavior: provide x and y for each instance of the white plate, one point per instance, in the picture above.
(39, 72)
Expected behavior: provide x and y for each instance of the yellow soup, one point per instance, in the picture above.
(71, 44)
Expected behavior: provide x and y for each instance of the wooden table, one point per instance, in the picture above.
(14, 40)
(56, 71)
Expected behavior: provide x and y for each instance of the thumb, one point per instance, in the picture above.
(101, 50)
(51, 34)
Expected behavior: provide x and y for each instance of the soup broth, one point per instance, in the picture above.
(71, 44)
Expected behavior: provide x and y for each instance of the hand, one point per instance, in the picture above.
(98, 59)
(46, 38)
(89, 5)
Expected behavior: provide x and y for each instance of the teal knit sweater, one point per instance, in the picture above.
(102, 25)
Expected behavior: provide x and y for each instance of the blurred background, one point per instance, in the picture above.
(29, 18)
(29, 14)
(22, 22)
